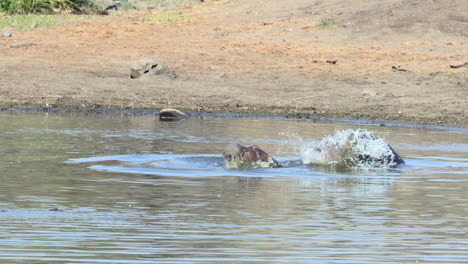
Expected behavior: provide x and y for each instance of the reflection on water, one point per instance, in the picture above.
(135, 190)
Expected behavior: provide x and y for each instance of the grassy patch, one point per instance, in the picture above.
(45, 6)
(327, 22)
(28, 22)
(126, 6)
(167, 17)
(432, 74)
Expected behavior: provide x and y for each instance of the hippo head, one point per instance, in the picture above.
(238, 156)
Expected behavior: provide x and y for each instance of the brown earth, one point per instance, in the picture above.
(254, 56)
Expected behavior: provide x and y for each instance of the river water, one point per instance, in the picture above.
(131, 189)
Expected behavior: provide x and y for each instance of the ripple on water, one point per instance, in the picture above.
(190, 209)
(213, 166)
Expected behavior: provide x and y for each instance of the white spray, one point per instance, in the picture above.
(349, 148)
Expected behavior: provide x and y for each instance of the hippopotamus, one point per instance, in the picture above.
(238, 156)
(349, 148)
(352, 148)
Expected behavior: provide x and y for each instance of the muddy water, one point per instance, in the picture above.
(134, 190)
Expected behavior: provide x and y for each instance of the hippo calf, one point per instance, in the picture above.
(238, 156)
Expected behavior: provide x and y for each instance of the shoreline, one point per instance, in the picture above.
(143, 112)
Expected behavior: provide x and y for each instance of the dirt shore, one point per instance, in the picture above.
(385, 60)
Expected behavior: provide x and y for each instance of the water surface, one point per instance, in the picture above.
(136, 190)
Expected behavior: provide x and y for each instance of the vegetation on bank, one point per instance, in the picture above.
(14, 7)
(32, 14)
(168, 17)
(29, 22)
(327, 22)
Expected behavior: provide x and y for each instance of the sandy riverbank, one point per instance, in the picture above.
(254, 56)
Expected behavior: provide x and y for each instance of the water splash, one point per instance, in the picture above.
(346, 148)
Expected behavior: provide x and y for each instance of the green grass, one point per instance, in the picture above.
(45, 6)
(432, 74)
(129, 5)
(167, 17)
(327, 22)
(26, 22)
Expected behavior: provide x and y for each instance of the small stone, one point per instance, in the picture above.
(7, 33)
(150, 67)
(21, 45)
(398, 68)
(170, 114)
(139, 6)
(458, 64)
(105, 4)
(221, 75)
(167, 4)
(112, 8)
(152, 6)
(34, 25)
(369, 93)
(60, 19)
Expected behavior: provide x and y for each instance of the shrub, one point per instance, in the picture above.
(327, 22)
(44, 6)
